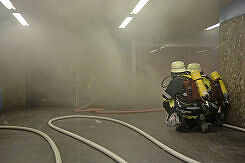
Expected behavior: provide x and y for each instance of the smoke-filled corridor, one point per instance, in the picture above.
(108, 58)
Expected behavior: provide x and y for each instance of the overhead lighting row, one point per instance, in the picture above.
(204, 51)
(155, 50)
(136, 10)
(212, 27)
(126, 22)
(8, 4)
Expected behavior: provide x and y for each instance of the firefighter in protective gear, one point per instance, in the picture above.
(174, 90)
(220, 98)
(216, 113)
(183, 111)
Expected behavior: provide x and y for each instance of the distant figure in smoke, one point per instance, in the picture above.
(85, 82)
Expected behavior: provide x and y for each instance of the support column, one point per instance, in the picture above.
(133, 61)
(232, 52)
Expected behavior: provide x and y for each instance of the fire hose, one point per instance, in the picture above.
(109, 153)
(45, 136)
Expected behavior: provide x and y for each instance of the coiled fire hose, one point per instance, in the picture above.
(109, 153)
(45, 136)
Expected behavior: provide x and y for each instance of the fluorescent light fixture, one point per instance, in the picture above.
(139, 6)
(125, 22)
(8, 4)
(202, 51)
(212, 27)
(215, 48)
(152, 51)
(19, 17)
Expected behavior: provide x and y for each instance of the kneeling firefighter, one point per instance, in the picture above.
(219, 96)
(218, 101)
(181, 100)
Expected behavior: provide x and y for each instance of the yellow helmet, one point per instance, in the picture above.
(194, 66)
(178, 67)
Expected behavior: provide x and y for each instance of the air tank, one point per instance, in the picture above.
(216, 76)
(196, 76)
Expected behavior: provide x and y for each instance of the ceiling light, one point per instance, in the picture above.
(152, 51)
(202, 51)
(8, 4)
(19, 17)
(139, 6)
(215, 47)
(212, 27)
(125, 22)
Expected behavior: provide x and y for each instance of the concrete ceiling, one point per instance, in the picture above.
(225, 2)
(176, 23)
(172, 22)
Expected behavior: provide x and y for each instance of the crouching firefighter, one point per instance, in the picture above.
(182, 100)
(219, 97)
(218, 101)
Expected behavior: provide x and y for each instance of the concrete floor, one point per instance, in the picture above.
(219, 145)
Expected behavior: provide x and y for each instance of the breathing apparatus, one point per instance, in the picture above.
(215, 76)
(203, 92)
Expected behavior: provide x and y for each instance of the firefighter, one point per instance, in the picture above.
(174, 90)
(183, 99)
(219, 98)
(218, 102)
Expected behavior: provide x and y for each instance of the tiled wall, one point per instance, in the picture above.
(232, 54)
